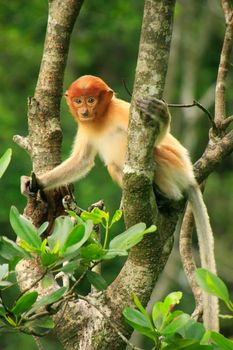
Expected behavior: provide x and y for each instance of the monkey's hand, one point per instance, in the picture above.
(29, 186)
(156, 109)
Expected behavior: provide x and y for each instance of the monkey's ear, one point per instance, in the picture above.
(107, 96)
(66, 94)
(110, 94)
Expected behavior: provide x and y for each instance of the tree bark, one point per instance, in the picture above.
(45, 136)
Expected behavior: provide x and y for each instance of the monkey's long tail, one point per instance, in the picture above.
(206, 246)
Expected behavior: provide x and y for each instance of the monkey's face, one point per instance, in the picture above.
(88, 98)
(85, 107)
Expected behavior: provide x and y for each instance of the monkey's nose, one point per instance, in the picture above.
(85, 113)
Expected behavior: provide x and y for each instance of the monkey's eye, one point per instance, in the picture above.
(78, 100)
(90, 100)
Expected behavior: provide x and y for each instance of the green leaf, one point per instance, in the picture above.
(24, 303)
(172, 299)
(48, 299)
(96, 215)
(71, 249)
(116, 217)
(74, 215)
(176, 324)
(219, 339)
(139, 322)
(5, 284)
(4, 269)
(193, 330)
(159, 313)
(212, 284)
(96, 280)
(62, 227)
(44, 322)
(75, 236)
(112, 253)
(42, 228)
(47, 280)
(10, 321)
(24, 229)
(129, 238)
(43, 247)
(187, 344)
(10, 250)
(92, 252)
(4, 161)
(142, 309)
(150, 229)
(49, 259)
(2, 311)
(70, 267)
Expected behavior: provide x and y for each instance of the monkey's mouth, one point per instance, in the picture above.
(86, 118)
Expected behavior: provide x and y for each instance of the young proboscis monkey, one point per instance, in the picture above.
(103, 120)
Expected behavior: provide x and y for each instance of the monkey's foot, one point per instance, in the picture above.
(29, 185)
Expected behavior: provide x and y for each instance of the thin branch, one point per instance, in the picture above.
(33, 284)
(126, 88)
(38, 343)
(223, 65)
(226, 122)
(197, 104)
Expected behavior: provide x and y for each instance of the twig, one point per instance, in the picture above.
(226, 122)
(132, 346)
(126, 88)
(33, 284)
(197, 104)
(38, 342)
(36, 316)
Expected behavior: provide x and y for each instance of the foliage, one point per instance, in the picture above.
(212, 284)
(72, 246)
(173, 330)
(4, 161)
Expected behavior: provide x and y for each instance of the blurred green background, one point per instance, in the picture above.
(105, 43)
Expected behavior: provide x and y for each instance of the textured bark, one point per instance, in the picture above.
(45, 136)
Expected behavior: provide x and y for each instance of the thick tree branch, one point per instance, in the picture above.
(213, 155)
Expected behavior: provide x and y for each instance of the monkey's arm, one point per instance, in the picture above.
(75, 167)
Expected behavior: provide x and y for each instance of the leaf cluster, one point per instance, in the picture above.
(173, 330)
(72, 246)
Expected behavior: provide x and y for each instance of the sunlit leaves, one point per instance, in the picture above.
(130, 237)
(4, 161)
(174, 329)
(24, 229)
